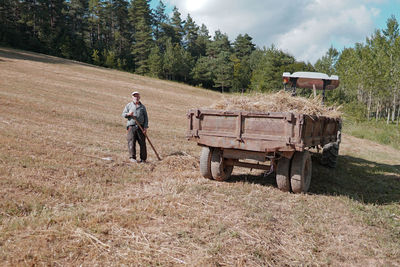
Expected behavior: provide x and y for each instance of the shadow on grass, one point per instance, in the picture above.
(254, 179)
(25, 55)
(33, 56)
(359, 179)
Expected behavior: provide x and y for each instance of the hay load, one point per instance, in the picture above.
(278, 102)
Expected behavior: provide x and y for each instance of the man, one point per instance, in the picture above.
(136, 110)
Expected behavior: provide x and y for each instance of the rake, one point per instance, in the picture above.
(148, 139)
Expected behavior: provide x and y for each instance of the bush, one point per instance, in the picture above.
(96, 58)
(110, 59)
(355, 111)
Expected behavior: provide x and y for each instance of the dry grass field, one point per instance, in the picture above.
(62, 204)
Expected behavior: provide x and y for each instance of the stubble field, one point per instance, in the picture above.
(62, 202)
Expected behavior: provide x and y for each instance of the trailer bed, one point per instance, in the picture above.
(260, 132)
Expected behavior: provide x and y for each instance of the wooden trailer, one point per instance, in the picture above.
(280, 139)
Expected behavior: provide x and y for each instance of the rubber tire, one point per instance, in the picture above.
(219, 170)
(205, 162)
(330, 154)
(300, 173)
(282, 174)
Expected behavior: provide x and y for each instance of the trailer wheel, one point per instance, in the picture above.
(330, 153)
(219, 170)
(300, 173)
(282, 174)
(205, 162)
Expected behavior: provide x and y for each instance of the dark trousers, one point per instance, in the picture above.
(135, 134)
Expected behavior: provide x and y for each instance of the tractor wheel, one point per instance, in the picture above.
(282, 174)
(205, 162)
(300, 173)
(330, 153)
(219, 169)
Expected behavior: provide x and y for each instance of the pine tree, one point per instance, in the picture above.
(219, 44)
(141, 47)
(187, 63)
(177, 26)
(52, 24)
(155, 62)
(223, 71)
(75, 41)
(140, 17)
(95, 24)
(140, 12)
(121, 31)
(170, 61)
(242, 47)
(190, 37)
(159, 20)
(202, 40)
(208, 68)
(202, 72)
(77, 11)
(10, 32)
(268, 66)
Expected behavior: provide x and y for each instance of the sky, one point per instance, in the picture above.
(303, 28)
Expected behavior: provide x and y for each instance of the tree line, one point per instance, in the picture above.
(369, 74)
(133, 37)
(130, 36)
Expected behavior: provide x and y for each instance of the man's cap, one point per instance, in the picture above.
(136, 92)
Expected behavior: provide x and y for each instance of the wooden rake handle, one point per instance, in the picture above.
(140, 127)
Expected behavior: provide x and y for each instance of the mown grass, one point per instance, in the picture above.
(61, 204)
(359, 179)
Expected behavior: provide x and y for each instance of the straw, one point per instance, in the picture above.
(278, 102)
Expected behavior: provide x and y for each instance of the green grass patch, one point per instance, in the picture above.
(380, 132)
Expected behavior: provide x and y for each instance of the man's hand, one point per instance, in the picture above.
(144, 130)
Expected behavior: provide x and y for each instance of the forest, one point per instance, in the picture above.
(131, 36)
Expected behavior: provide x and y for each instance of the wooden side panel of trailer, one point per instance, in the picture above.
(261, 132)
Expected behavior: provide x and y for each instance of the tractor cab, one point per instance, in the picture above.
(310, 80)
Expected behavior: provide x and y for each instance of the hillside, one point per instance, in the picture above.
(61, 203)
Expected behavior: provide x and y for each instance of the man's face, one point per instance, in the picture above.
(136, 98)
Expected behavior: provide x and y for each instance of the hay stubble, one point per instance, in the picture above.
(61, 204)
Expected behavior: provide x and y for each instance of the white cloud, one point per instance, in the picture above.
(375, 12)
(195, 5)
(304, 28)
